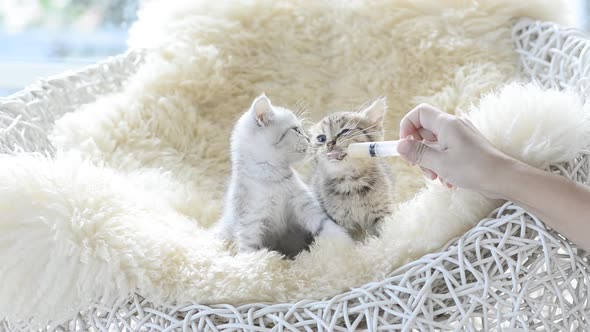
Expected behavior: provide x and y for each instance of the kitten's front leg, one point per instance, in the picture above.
(330, 229)
(314, 219)
(249, 236)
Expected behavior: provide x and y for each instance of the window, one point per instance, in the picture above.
(39, 38)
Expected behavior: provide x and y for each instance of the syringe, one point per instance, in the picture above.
(373, 149)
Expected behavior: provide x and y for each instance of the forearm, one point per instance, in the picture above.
(562, 204)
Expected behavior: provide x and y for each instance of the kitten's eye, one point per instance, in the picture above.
(321, 138)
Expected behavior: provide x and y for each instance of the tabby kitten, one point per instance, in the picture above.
(356, 193)
(267, 204)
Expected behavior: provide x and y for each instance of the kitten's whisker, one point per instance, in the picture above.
(355, 117)
(300, 112)
(366, 133)
(305, 104)
(363, 132)
(302, 107)
(359, 119)
(370, 127)
(298, 102)
(350, 120)
(347, 139)
(301, 102)
(304, 117)
(304, 113)
(364, 106)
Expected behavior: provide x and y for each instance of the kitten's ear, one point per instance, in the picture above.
(376, 111)
(262, 110)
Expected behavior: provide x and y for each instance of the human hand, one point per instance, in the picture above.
(451, 149)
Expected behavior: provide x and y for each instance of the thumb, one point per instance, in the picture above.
(419, 153)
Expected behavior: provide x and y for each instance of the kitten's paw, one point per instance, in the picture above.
(248, 247)
(332, 231)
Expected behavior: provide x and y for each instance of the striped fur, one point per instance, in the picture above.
(356, 193)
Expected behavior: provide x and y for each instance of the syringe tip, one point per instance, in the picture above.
(359, 150)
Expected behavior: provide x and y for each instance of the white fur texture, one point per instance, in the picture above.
(530, 128)
(129, 214)
(267, 205)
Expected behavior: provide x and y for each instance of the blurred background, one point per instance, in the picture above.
(39, 38)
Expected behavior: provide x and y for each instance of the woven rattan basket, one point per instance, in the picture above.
(509, 272)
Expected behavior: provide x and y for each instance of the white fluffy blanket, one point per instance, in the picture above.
(125, 207)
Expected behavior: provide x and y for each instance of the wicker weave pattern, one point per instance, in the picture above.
(509, 272)
(28, 116)
(553, 56)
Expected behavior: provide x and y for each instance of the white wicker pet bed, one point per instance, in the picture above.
(509, 272)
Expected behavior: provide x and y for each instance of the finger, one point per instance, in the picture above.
(419, 153)
(465, 119)
(423, 116)
(427, 135)
(443, 181)
(429, 173)
(415, 135)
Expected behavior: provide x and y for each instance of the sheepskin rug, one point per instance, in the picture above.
(125, 205)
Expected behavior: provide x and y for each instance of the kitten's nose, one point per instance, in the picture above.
(331, 145)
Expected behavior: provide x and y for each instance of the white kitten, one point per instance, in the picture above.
(267, 204)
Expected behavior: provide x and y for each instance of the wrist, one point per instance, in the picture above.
(506, 176)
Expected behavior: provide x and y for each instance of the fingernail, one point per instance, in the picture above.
(411, 137)
(403, 147)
